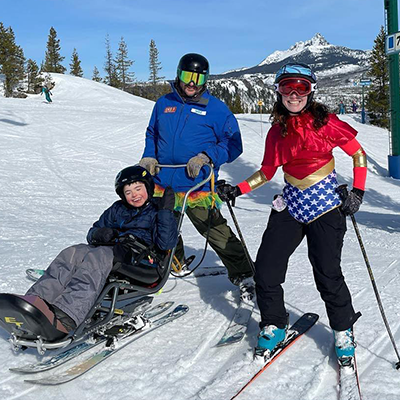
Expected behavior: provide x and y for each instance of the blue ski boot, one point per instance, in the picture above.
(269, 338)
(345, 347)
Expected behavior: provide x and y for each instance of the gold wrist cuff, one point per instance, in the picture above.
(359, 158)
(256, 180)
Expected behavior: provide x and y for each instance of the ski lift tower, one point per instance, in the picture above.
(393, 50)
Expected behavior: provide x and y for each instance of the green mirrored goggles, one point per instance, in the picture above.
(188, 76)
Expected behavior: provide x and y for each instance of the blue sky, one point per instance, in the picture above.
(231, 34)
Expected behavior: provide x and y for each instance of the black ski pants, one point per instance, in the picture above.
(325, 241)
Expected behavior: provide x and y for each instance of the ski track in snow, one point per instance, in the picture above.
(58, 163)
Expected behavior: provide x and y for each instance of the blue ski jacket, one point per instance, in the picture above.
(147, 223)
(179, 130)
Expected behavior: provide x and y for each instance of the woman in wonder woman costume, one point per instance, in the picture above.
(301, 140)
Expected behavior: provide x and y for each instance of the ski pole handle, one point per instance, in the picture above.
(222, 182)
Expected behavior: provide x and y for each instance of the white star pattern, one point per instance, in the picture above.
(307, 205)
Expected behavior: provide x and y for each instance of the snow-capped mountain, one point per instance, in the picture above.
(338, 70)
(317, 43)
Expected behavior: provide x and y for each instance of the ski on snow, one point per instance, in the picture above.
(104, 352)
(237, 328)
(210, 271)
(84, 346)
(34, 274)
(198, 272)
(349, 384)
(301, 326)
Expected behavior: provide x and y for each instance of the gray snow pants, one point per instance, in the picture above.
(75, 278)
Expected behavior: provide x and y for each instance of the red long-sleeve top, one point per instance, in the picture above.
(305, 150)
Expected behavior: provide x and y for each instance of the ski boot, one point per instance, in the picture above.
(345, 347)
(269, 339)
(184, 266)
(247, 289)
(246, 285)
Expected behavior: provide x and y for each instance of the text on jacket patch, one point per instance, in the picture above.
(199, 112)
(169, 110)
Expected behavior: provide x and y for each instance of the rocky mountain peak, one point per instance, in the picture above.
(315, 44)
(316, 41)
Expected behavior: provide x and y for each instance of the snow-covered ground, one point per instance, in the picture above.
(58, 163)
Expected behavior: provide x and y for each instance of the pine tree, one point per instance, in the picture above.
(96, 75)
(35, 81)
(3, 40)
(123, 63)
(53, 59)
(154, 64)
(75, 66)
(12, 60)
(110, 68)
(236, 106)
(377, 102)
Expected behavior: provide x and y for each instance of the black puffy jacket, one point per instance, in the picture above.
(147, 223)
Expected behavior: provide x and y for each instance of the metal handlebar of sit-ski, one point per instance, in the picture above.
(182, 212)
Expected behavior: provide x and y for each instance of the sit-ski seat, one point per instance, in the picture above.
(145, 276)
(140, 264)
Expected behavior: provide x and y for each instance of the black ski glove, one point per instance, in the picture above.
(168, 200)
(351, 204)
(104, 235)
(227, 192)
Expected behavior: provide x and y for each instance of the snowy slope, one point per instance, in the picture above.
(58, 164)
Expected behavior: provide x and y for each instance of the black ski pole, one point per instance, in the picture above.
(249, 260)
(343, 193)
(246, 252)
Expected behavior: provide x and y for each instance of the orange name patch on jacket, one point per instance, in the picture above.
(169, 110)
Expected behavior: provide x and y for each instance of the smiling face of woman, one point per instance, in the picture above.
(294, 103)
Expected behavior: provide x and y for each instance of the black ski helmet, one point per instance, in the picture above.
(132, 174)
(294, 70)
(193, 62)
